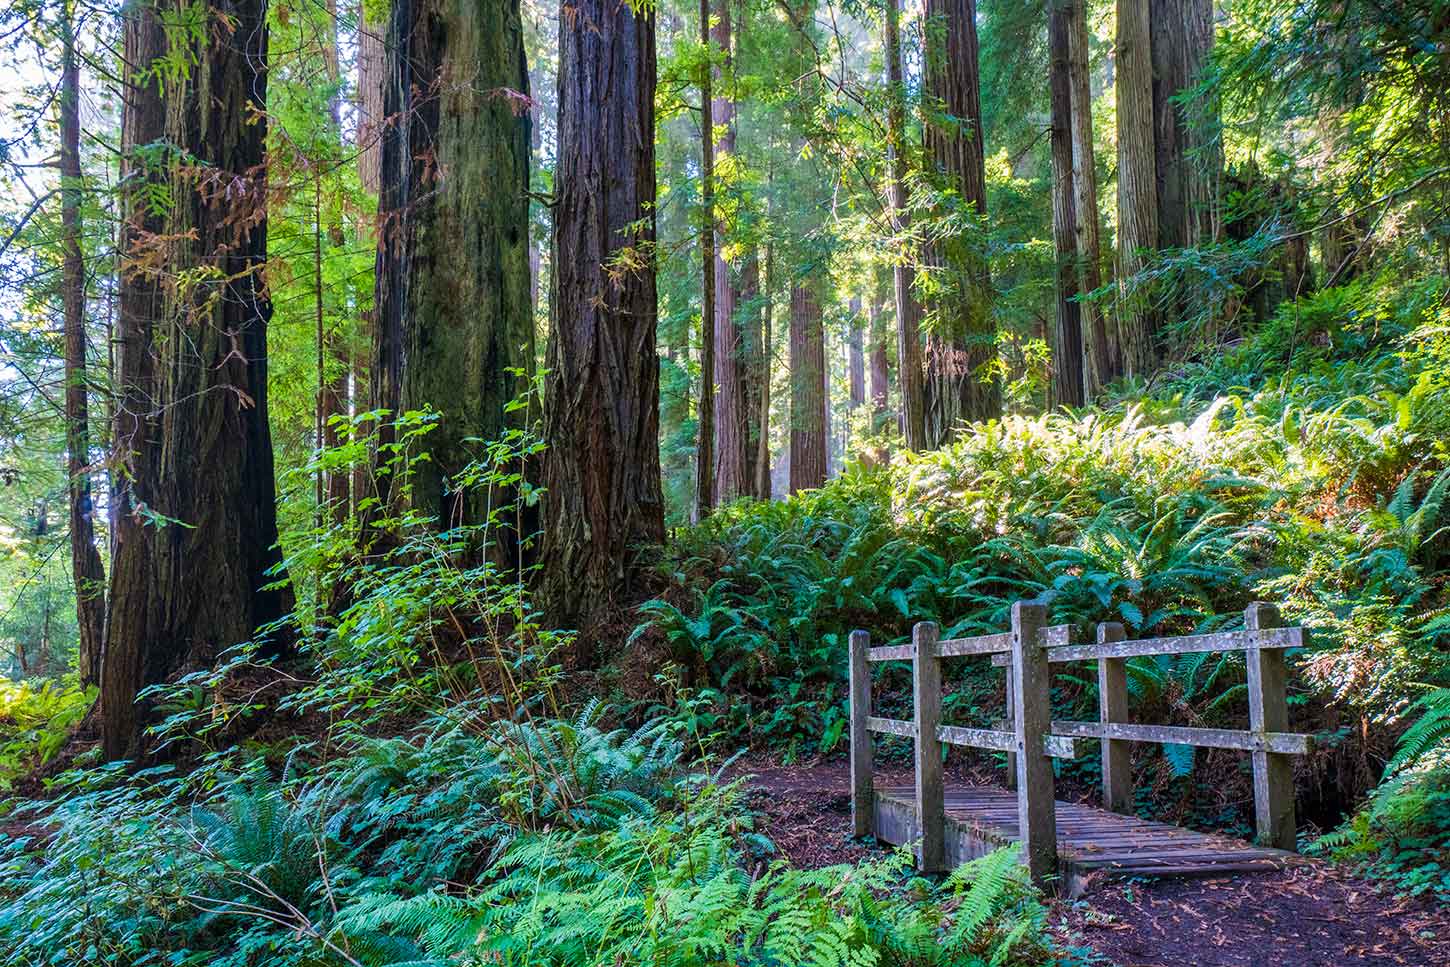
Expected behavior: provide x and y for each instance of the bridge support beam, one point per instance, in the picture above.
(1113, 707)
(1269, 712)
(1032, 714)
(930, 793)
(863, 795)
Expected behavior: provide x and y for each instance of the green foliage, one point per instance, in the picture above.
(675, 894)
(1322, 487)
(34, 722)
(1401, 835)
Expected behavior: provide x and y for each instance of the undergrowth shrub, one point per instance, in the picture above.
(35, 720)
(446, 803)
(1305, 465)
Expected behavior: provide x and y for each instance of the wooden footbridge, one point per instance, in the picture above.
(1063, 844)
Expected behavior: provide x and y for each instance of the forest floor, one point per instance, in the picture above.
(1315, 915)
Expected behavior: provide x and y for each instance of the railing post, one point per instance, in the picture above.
(1032, 712)
(1113, 707)
(1011, 724)
(930, 796)
(863, 798)
(1269, 712)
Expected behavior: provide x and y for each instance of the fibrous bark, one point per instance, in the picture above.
(709, 323)
(807, 387)
(1189, 166)
(1067, 371)
(962, 342)
(1137, 188)
(86, 568)
(856, 356)
(197, 527)
(880, 369)
(908, 310)
(1100, 365)
(603, 503)
(453, 311)
(735, 343)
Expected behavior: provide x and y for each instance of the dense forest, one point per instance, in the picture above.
(446, 447)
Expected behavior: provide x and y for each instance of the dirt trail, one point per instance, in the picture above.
(1313, 916)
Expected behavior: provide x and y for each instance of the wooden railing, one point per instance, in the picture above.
(1031, 737)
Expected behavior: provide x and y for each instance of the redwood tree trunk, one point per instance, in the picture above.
(1067, 370)
(880, 369)
(197, 524)
(1137, 189)
(709, 323)
(807, 388)
(86, 568)
(908, 310)
(453, 310)
(763, 365)
(1100, 365)
(960, 346)
(1187, 173)
(603, 503)
(736, 344)
(371, 83)
(753, 373)
(856, 356)
(332, 353)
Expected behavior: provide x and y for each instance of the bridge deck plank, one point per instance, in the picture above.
(1090, 840)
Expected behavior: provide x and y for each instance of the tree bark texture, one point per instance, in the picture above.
(908, 310)
(1137, 188)
(86, 568)
(1100, 365)
(197, 527)
(736, 344)
(762, 368)
(962, 342)
(453, 311)
(1067, 370)
(856, 355)
(751, 313)
(332, 354)
(710, 324)
(372, 71)
(880, 369)
(1188, 166)
(603, 504)
(807, 387)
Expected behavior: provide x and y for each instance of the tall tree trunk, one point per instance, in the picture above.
(332, 355)
(856, 356)
(709, 323)
(371, 83)
(603, 503)
(372, 73)
(734, 349)
(960, 346)
(908, 310)
(1067, 370)
(763, 488)
(1137, 190)
(807, 387)
(454, 317)
(755, 375)
(198, 535)
(86, 568)
(1188, 168)
(1100, 365)
(880, 369)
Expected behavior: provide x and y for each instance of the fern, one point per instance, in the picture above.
(1430, 731)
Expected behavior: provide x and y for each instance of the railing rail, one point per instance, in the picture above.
(1031, 737)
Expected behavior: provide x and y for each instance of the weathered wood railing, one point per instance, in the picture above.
(1032, 738)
